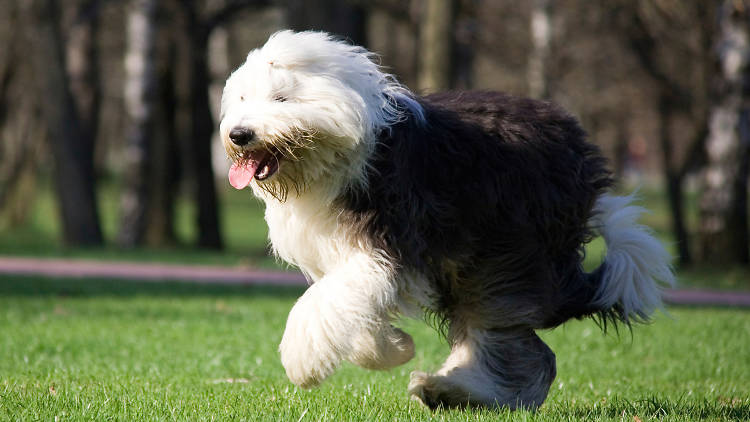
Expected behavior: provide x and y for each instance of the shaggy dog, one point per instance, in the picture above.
(472, 208)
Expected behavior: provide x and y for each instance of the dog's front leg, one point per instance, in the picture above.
(345, 315)
(311, 347)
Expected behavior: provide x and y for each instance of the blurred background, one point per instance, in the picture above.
(109, 111)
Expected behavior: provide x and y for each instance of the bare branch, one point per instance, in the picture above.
(643, 43)
(397, 9)
(230, 9)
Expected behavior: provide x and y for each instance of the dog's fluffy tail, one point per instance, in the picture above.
(636, 266)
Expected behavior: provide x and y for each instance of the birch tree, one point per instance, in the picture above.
(541, 29)
(723, 204)
(436, 45)
(139, 92)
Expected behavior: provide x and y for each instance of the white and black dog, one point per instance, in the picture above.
(473, 208)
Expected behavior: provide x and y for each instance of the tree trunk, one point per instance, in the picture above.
(464, 47)
(209, 234)
(339, 17)
(198, 143)
(83, 69)
(9, 53)
(165, 156)
(723, 204)
(19, 122)
(436, 46)
(72, 149)
(673, 180)
(541, 31)
(140, 84)
(620, 153)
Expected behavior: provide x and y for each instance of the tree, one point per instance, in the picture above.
(436, 45)
(345, 18)
(667, 39)
(165, 166)
(82, 64)
(72, 147)
(198, 28)
(393, 29)
(140, 87)
(723, 204)
(541, 32)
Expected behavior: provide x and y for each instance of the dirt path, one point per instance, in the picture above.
(64, 268)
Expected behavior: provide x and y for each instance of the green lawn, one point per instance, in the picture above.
(103, 350)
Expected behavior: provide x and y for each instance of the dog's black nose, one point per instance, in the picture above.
(241, 136)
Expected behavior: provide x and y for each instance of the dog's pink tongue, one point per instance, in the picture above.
(241, 175)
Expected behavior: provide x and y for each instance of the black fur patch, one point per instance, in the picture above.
(490, 199)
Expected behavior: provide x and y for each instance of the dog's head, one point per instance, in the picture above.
(306, 109)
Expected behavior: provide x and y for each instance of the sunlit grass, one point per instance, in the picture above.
(98, 350)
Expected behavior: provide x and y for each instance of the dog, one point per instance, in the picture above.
(471, 209)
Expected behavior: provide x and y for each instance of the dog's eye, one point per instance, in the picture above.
(242, 98)
(279, 98)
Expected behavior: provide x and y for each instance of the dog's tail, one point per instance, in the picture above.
(636, 265)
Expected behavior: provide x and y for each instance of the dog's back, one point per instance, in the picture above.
(490, 198)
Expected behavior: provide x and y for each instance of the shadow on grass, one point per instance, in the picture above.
(691, 409)
(72, 287)
(621, 409)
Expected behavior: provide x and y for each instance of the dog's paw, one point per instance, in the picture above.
(417, 381)
(436, 391)
(421, 391)
(307, 352)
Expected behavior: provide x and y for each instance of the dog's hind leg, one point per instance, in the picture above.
(512, 368)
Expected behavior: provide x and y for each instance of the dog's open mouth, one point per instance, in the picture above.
(260, 164)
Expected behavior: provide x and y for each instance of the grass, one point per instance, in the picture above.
(103, 350)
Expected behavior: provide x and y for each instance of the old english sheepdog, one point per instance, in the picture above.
(472, 208)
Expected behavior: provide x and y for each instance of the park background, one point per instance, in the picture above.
(109, 152)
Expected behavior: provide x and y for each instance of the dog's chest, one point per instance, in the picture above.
(308, 236)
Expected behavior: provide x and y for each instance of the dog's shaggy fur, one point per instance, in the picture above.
(472, 208)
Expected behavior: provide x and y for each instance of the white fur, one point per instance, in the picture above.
(636, 262)
(334, 93)
(345, 314)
